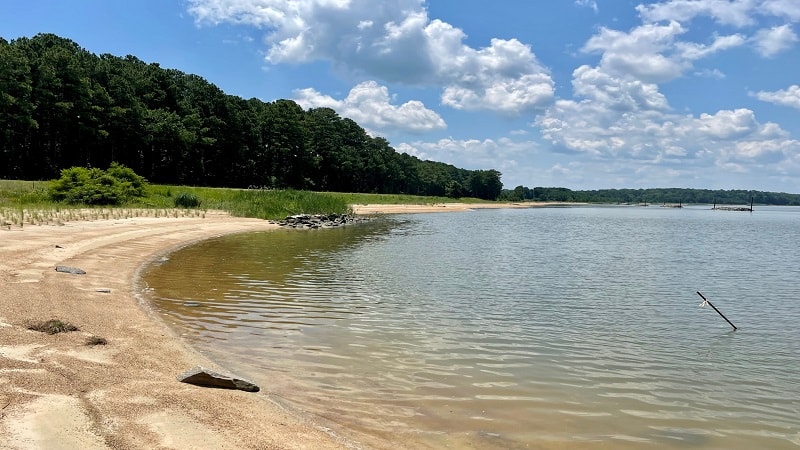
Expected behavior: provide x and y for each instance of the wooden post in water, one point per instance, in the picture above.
(705, 300)
(751, 203)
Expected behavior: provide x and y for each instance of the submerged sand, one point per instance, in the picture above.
(58, 392)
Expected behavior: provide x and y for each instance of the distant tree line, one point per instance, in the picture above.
(62, 106)
(666, 195)
(518, 194)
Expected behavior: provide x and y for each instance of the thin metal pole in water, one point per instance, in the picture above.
(705, 300)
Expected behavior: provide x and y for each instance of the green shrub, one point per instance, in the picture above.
(132, 184)
(187, 200)
(95, 186)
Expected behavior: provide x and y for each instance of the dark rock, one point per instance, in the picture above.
(306, 221)
(200, 376)
(72, 270)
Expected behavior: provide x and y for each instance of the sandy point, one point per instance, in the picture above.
(58, 392)
(376, 209)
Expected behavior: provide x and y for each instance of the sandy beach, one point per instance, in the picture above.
(58, 392)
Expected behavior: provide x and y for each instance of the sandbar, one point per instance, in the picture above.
(377, 209)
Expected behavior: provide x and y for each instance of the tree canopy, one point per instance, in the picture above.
(62, 106)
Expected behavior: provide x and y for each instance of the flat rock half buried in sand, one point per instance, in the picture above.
(72, 270)
(200, 376)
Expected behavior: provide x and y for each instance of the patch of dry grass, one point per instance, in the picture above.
(53, 326)
(19, 218)
(96, 340)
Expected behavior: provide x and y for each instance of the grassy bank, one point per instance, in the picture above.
(28, 202)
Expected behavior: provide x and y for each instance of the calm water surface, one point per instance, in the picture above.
(533, 328)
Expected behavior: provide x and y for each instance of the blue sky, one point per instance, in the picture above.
(584, 94)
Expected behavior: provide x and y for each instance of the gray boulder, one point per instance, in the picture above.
(200, 376)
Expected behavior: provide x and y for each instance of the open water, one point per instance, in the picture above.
(570, 327)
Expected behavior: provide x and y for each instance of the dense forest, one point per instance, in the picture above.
(667, 195)
(62, 106)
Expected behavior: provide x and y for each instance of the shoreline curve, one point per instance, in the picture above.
(58, 392)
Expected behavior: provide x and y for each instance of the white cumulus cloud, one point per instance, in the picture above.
(394, 41)
(771, 41)
(615, 119)
(786, 97)
(742, 14)
(642, 53)
(369, 105)
(736, 13)
(789, 9)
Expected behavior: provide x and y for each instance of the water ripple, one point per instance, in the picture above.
(555, 327)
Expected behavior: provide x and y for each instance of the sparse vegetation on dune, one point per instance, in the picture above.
(91, 341)
(53, 326)
(29, 203)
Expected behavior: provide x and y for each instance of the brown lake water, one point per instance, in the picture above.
(534, 328)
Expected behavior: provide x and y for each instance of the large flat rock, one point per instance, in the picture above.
(200, 376)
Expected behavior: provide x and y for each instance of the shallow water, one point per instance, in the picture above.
(548, 328)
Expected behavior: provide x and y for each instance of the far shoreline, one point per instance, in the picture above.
(377, 209)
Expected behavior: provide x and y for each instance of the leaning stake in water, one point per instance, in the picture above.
(706, 302)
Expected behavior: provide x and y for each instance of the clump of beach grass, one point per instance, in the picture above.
(278, 204)
(53, 326)
(96, 340)
(187, 200)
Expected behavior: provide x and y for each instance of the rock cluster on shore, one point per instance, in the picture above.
(313, 221)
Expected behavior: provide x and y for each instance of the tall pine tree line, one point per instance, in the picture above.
(62, 106)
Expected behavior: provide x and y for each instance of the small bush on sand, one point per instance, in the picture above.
(52, 327)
